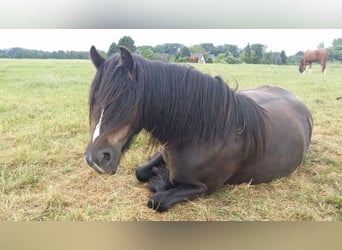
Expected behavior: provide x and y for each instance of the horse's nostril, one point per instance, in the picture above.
(104, 157)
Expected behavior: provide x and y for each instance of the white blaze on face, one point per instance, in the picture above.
(98, 127)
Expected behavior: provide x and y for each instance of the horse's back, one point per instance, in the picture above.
(320, 55)
(282, 104)
(266, 95)
(289, 135)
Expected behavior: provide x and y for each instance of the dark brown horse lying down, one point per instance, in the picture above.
(210, 134)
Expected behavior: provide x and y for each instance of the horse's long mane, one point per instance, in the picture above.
(184, 107)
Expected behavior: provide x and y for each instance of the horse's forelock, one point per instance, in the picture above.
(104, 90)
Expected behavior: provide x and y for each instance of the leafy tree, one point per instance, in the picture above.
(220, 58)
(149, 54)
(335, 52)
(209, 47)
(259, 50)
(268, 58)
(209, 60)
(283, 57)
(246, 55)
(168, 48)
(139, 49)
(219, 50)
(113, 49)
(276, 58)
(232, 60)
(128, 42)
(337, 42)
(2, 54)
(184, 52)
(196, 49)
(232, 50)
(299, 53)
(253, 53)
(295, 59)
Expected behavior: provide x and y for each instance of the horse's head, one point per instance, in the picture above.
(301, 67)
(114, 103)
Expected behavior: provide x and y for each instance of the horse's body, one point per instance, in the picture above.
(210, 134)
(193, 59)
(310, 56)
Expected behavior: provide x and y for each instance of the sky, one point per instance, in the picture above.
(290, 40)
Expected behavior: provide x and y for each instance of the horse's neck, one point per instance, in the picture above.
(168, 112)
(303, 61)
(156, 102)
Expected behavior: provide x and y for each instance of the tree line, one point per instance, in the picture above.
(176, 52)
(39, 54)
(227, 53)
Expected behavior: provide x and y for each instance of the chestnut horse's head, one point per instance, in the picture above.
(302, 66)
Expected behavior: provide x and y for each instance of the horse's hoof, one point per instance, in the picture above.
(157, 205)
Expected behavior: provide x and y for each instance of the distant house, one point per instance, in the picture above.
(196, 58)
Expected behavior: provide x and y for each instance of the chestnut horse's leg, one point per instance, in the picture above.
(324, 69)
(162, 201)
(310, 64)
(145, 172)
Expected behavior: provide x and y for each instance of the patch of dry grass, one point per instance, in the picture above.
(44, 128)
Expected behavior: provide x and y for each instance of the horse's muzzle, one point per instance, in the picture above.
(103, 161)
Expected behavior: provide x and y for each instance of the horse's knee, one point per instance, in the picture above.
(159, 182)
(144, 173)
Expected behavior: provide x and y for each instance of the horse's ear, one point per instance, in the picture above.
(127, 60)
(96, 58)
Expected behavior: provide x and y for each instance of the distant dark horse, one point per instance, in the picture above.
(210, 134)
(310, 56)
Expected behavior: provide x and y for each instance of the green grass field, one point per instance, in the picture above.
(44, 131)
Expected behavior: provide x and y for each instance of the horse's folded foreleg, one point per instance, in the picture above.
(145, 172)
(162, 201)
(160, 180)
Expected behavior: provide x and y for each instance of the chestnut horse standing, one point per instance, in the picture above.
(193, 59)
(310, 56)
